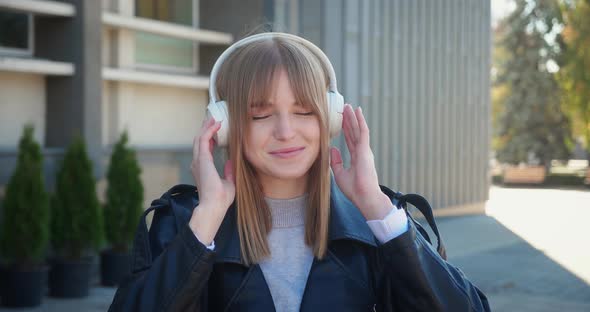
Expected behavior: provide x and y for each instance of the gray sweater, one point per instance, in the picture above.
(286, 270)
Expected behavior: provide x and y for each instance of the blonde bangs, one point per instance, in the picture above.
(246, 80)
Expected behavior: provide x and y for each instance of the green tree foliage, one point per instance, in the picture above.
(24, 232)
(531, 120)
(124, 196)
(574, 76)
(76, 216)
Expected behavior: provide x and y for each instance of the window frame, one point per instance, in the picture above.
(28, 52)
(169, 68)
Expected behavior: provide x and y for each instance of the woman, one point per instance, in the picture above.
(279, 231)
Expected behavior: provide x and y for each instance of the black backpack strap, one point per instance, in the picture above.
(171, 211)
(142, 253)
(424, 207)
(183, 198)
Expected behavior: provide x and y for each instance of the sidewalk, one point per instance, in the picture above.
(530, 253)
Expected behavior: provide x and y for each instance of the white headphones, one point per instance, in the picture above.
(218, 108)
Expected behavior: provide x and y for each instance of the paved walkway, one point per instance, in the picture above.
(529, 253)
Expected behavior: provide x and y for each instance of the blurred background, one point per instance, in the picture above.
(482, 107)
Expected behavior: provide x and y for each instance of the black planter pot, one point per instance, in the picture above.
(2, 279)
(70, 278)
(22, 288)
(114, 266)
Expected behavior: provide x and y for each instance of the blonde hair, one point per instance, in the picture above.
(245, 80)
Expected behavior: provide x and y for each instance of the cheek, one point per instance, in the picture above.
(312, 130)
(255, 140)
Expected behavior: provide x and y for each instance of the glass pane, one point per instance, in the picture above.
(14, 30)
(154, 49)
(162, 50)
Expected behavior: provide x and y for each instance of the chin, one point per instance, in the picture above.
(286, 172)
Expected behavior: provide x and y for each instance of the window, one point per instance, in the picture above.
(16, 33)
(155, 51)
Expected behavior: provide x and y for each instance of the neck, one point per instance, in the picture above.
(283, 188)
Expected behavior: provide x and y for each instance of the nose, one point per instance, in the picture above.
(284, 127)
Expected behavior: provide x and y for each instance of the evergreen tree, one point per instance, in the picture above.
(76, 216)
(574, 76)
(24, 232)
(531, 121)
(124, 196)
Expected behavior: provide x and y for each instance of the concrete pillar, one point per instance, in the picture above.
(74, 102)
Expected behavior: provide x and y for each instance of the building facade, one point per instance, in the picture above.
(419, 69)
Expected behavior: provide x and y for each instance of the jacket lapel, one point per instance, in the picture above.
(346, 220)
(227, 239)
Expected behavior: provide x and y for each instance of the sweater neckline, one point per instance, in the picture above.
(287, 212)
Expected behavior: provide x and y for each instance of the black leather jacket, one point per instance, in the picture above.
(173, 271)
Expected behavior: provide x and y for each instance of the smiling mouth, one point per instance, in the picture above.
(287, 152)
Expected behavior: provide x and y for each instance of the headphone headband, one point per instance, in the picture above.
(333, 86)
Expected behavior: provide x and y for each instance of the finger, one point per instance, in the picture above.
(212, 144)
(354, 126)
(195, 151)
(205, 139)
(363, 127)
(347, 136)
(206, 124)
(336, 161)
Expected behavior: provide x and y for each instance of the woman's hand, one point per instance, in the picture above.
(215, 193)
(359, 182)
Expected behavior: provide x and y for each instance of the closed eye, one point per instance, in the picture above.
(266, 116)
(260, 117)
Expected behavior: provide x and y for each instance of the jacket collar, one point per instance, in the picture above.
(346, 222)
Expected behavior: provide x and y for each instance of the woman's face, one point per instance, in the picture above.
(284, 137)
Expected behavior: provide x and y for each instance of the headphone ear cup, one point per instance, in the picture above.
(336, 107)
(219, 112)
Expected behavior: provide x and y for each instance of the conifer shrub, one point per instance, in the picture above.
(124, 196)
(76, 226)
(24, 231)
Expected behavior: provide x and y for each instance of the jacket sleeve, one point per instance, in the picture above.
(176, 279)
(413, 277)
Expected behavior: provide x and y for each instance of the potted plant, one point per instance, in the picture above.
(24, 231)
(76, 224)
(122, 210)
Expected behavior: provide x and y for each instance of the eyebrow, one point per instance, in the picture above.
(259, 106)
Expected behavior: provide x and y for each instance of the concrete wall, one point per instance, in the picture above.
(22, 101)
(155, 116)
(420, 70)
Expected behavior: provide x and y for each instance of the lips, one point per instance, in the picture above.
(287, 152)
